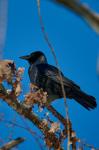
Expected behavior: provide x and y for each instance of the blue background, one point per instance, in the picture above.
(76, 47)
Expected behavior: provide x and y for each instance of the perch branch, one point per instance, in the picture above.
(11, 100)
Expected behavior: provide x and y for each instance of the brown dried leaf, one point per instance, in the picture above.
(19, 73)
(7, 70)
(55, 126)
(44, 122)
(17, 83)
(36, 96)
(29, 100)
(73, 134)
(18, 89)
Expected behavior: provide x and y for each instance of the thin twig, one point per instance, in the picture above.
(85, 144)
(56, 61)
(12, 144)
(34, 134)
(57, 115)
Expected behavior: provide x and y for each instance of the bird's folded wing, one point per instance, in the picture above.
(54, 74)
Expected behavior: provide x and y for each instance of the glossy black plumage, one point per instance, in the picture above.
(47, 77)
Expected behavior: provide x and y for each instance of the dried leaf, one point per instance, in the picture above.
(19, 73)
(44, 122)
(55, 126)
(7, 70)
(36, 96)
(18, 89)
(73, 134)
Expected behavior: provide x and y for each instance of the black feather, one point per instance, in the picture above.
(87, 101)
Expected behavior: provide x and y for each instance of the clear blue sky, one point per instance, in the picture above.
(76, 47)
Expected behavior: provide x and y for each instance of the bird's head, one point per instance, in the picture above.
(35, 58)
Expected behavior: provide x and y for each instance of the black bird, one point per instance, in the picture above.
(47, 77)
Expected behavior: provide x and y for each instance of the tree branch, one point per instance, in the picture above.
(12, 143)
(10, 99)
(83, 11)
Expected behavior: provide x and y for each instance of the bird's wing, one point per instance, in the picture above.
(53, 73)
(72, 90)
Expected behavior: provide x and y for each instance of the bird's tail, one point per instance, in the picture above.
(87, 101)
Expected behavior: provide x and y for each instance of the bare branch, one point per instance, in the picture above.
(12, 144)
(11, 100)
(57, 114)
(83, 11)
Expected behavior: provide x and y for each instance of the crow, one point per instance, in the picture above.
(47, 77)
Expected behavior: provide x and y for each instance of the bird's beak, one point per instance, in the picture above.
(25, 57)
